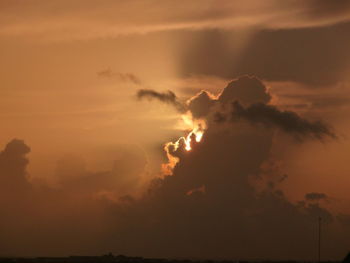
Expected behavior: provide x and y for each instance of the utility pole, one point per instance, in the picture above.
(319, 238)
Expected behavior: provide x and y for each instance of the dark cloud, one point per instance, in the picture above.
(287, 121)
(13, 163)
(315, 56)
(125, 77)
(315, 196)
(218, 208)
(249, 97)
(200, 104)
(227, 217)
(207, 208)
(326, 8)
(168, 97)
(246, 89)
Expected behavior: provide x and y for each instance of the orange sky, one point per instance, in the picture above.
(69, 74)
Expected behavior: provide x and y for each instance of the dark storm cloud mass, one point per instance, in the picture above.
(168, 97)
(314, 56)
(229, 217)
(208, 207)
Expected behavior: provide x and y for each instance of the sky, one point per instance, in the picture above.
(179, 129)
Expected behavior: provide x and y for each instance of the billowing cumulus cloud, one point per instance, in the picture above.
(246, 89)
(201, 104)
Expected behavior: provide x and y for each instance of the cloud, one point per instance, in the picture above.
(13, 164)
(249, 98)
(123, 177)
(200, 104)
(168, 97)
(70, 218)
(314, 56)
(209, 205)
(88, 19)
(245, 98)
(287, 121)
(328, 8)
(207, 208)
(229, 218)
(246, 89)
(125, 77)
(315, 196)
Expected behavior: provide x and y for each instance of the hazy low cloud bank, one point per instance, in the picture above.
(222, 201)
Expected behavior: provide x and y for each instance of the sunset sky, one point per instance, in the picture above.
(175, 128)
